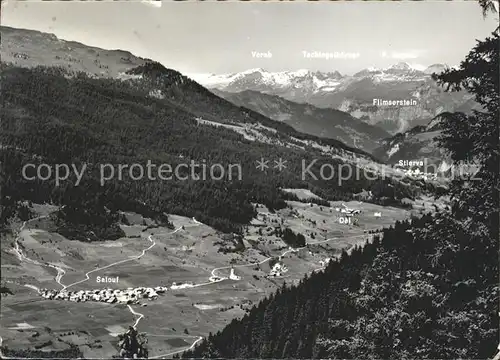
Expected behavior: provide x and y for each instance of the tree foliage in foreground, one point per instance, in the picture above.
(132, 344)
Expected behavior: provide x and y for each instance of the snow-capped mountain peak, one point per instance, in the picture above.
(336, 75)
(404, 67)
(300, 72)
(304, 78)
(252, 71)
(260, 79)
(312, 80)
(435, 68)
(401, 66)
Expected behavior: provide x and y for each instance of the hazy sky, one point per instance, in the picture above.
(209, 37)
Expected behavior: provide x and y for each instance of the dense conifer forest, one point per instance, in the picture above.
(291, 238)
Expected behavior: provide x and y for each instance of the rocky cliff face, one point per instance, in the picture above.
(393, 119)
(418, 144)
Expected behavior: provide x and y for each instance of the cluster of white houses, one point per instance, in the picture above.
(110, 296)
(412, 169)
(278, 270)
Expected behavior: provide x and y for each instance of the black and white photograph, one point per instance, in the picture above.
(249, 180)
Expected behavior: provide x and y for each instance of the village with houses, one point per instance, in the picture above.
(110, 296)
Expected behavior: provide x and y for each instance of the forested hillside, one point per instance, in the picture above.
(428, 289)
(406, 296)
(54, 117)
(328, 123)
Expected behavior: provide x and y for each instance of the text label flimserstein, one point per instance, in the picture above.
(405, 102)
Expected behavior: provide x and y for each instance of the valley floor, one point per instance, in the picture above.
(206, 288)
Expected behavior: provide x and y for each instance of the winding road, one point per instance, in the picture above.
(153, 243)
(178, 351)
(61, 272)
(136, 314)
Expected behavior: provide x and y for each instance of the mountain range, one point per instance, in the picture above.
(355, 93)
(354, 122)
